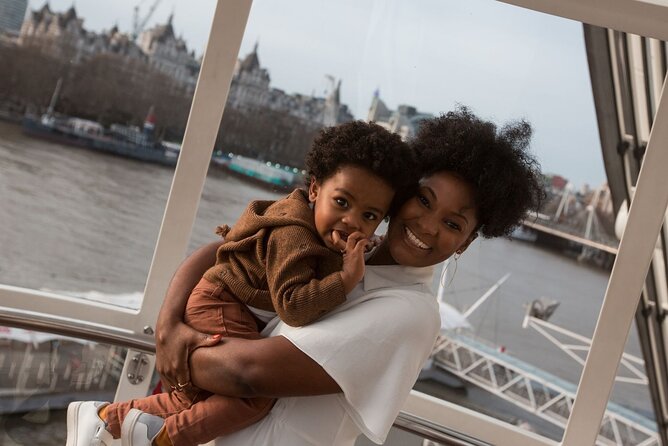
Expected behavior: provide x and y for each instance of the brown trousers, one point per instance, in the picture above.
(195, 416)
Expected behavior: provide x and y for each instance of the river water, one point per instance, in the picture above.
(83, 223)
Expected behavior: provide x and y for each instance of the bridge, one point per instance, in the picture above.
(535, 390)
(587, 222)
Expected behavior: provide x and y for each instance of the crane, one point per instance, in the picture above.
(138, 23)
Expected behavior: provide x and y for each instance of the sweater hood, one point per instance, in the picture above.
(262, 214)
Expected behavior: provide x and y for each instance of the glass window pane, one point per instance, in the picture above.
(396, 62)
(94, 120)
(41, 373)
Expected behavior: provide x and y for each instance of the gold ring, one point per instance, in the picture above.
(180, 386)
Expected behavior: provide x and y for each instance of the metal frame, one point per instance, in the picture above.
(469, 423)
(617, 107)
(626, 282)
(642, 17)
(647, 211)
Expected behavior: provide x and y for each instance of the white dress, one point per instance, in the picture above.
(373, 346)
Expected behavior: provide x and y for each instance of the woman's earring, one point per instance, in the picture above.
(448, 273)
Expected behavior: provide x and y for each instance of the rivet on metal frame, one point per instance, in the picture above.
(137, 368)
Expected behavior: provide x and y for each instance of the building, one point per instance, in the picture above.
(250, 84)
(169, 54)
(12, 13)
(59, 34)
(63, 35)
(251, 90)
(404, 121)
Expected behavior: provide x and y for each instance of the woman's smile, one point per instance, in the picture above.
(413, 239)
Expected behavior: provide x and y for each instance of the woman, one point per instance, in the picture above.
(364, 357)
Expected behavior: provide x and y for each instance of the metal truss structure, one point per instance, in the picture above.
(534, 390)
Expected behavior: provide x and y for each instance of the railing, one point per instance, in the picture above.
(433, 432)
(415, 422)
(77, 329)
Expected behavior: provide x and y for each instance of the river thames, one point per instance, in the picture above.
(82, 223)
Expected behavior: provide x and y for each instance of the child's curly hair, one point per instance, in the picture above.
(506, 177)
(367, 145)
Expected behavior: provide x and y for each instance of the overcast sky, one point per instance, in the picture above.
(503, 62)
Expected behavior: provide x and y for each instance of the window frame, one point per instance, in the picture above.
(627, 279)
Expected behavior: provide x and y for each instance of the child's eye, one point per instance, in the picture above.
(423, 200)
(341, 202)
(370, 216)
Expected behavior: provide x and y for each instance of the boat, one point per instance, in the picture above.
(119, 140)
(265, 173)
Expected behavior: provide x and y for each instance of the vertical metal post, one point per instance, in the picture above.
(213, 85)
(626, 281)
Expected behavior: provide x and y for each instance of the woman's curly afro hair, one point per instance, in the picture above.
(506, 178)
(366, 145)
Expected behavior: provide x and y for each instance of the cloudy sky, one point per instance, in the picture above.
(503, 62)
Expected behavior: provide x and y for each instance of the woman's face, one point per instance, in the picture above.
(439, 221)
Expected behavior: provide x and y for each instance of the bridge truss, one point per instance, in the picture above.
(534, 390)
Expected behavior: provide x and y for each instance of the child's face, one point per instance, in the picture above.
(353, 199)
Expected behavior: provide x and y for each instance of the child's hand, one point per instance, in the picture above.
(353, 258)
(374, 241)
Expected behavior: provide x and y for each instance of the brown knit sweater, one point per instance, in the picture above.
(273, 259)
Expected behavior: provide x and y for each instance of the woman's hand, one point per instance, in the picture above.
(174, 339)
(353, 250)
(173, 347)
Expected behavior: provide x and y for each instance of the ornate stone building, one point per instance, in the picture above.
(169, 54)
(251, 90)
(250, 84)
(59, 34)
(64, 36)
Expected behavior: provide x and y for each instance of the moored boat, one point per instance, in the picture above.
(123, 141)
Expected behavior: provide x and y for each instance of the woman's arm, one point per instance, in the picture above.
(270, 367)
(175, 339)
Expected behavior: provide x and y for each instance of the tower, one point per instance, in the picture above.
(12, 13)
(332, 104)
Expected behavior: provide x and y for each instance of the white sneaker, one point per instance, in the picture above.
(85, 427)
(140, 428)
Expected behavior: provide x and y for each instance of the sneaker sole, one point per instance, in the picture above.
(128, 427)
(72, 423)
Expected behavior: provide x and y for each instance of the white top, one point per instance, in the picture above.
(373, 346)
(264, 315)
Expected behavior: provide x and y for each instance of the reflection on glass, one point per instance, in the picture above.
(40, 374)
(94, 113)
